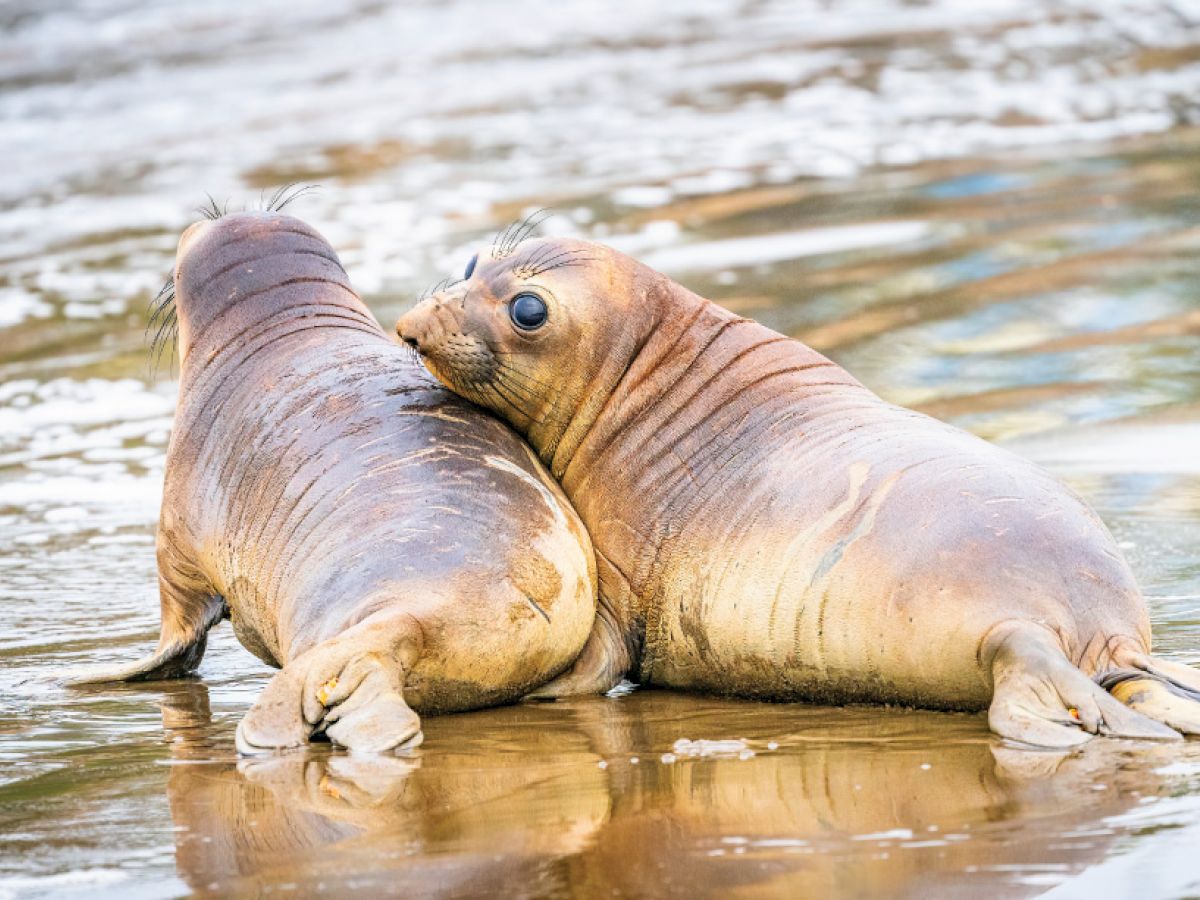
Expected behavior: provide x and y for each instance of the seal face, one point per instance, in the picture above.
(766, 526)
(392, 547)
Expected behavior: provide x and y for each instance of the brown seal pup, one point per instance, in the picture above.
(766, 526)
(390, 546)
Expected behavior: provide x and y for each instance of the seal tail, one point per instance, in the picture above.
(1041, 698)
(181, 645)
(1165, 691)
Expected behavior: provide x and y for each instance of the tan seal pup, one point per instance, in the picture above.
(392, 547)
(766, 526)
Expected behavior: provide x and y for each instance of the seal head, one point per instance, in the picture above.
(540, 336)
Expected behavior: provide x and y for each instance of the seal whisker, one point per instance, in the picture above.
(429, 290)
(495, 386)
(275, 196)
(168, 327)
(535, 259)
(477, 391)
(500, 240)
(546, 259)
(548, 419)
(567, 264)
(504, 238)
(411, 352)
(545, 253)
(511, 239)
(509, 370)
(282, 199)
(522, 392)
(496, 383)
(528, 381)
(212, 211)
(162, 301)
(531, 222)
(506, 241)
(163, 320)
(561, 261)
(160, 306)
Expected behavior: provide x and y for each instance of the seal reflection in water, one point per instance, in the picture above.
(766, 526)
(390, 546)
(851, 802)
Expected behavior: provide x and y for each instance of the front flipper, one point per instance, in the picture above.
(351, 688)
(186, 618)
(1040, 698)
(602, 663)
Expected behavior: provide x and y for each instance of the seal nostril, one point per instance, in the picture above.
(412, 342)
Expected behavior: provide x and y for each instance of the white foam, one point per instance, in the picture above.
(896, 834)
(74, 403)
(18, 885)
(138, 498)
(1162, 448)
(711, 749)
(641, 195)
(716, 255)
(17, 305)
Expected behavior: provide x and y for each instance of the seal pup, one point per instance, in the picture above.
(391, 547)
(766, 526)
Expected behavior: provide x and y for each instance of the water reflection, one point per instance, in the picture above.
(606, 801)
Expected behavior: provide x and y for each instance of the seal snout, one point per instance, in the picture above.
(406, 329)
(447, 345)
(427, 325)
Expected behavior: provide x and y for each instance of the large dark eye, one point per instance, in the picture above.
(471, 267)
(528, 311)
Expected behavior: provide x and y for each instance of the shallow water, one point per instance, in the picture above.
(989, 211)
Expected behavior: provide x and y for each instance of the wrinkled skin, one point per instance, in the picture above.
(766, 526)
(391, 547)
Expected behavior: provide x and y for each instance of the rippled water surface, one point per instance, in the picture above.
(989, 211)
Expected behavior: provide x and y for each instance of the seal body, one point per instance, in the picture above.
(390, 546)
(767, 526)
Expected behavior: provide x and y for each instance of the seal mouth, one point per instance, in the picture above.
(462, 361)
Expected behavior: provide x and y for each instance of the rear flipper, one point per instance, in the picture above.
(1165, 691)
(350, 688)
(1040, 698)
(181, 644)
